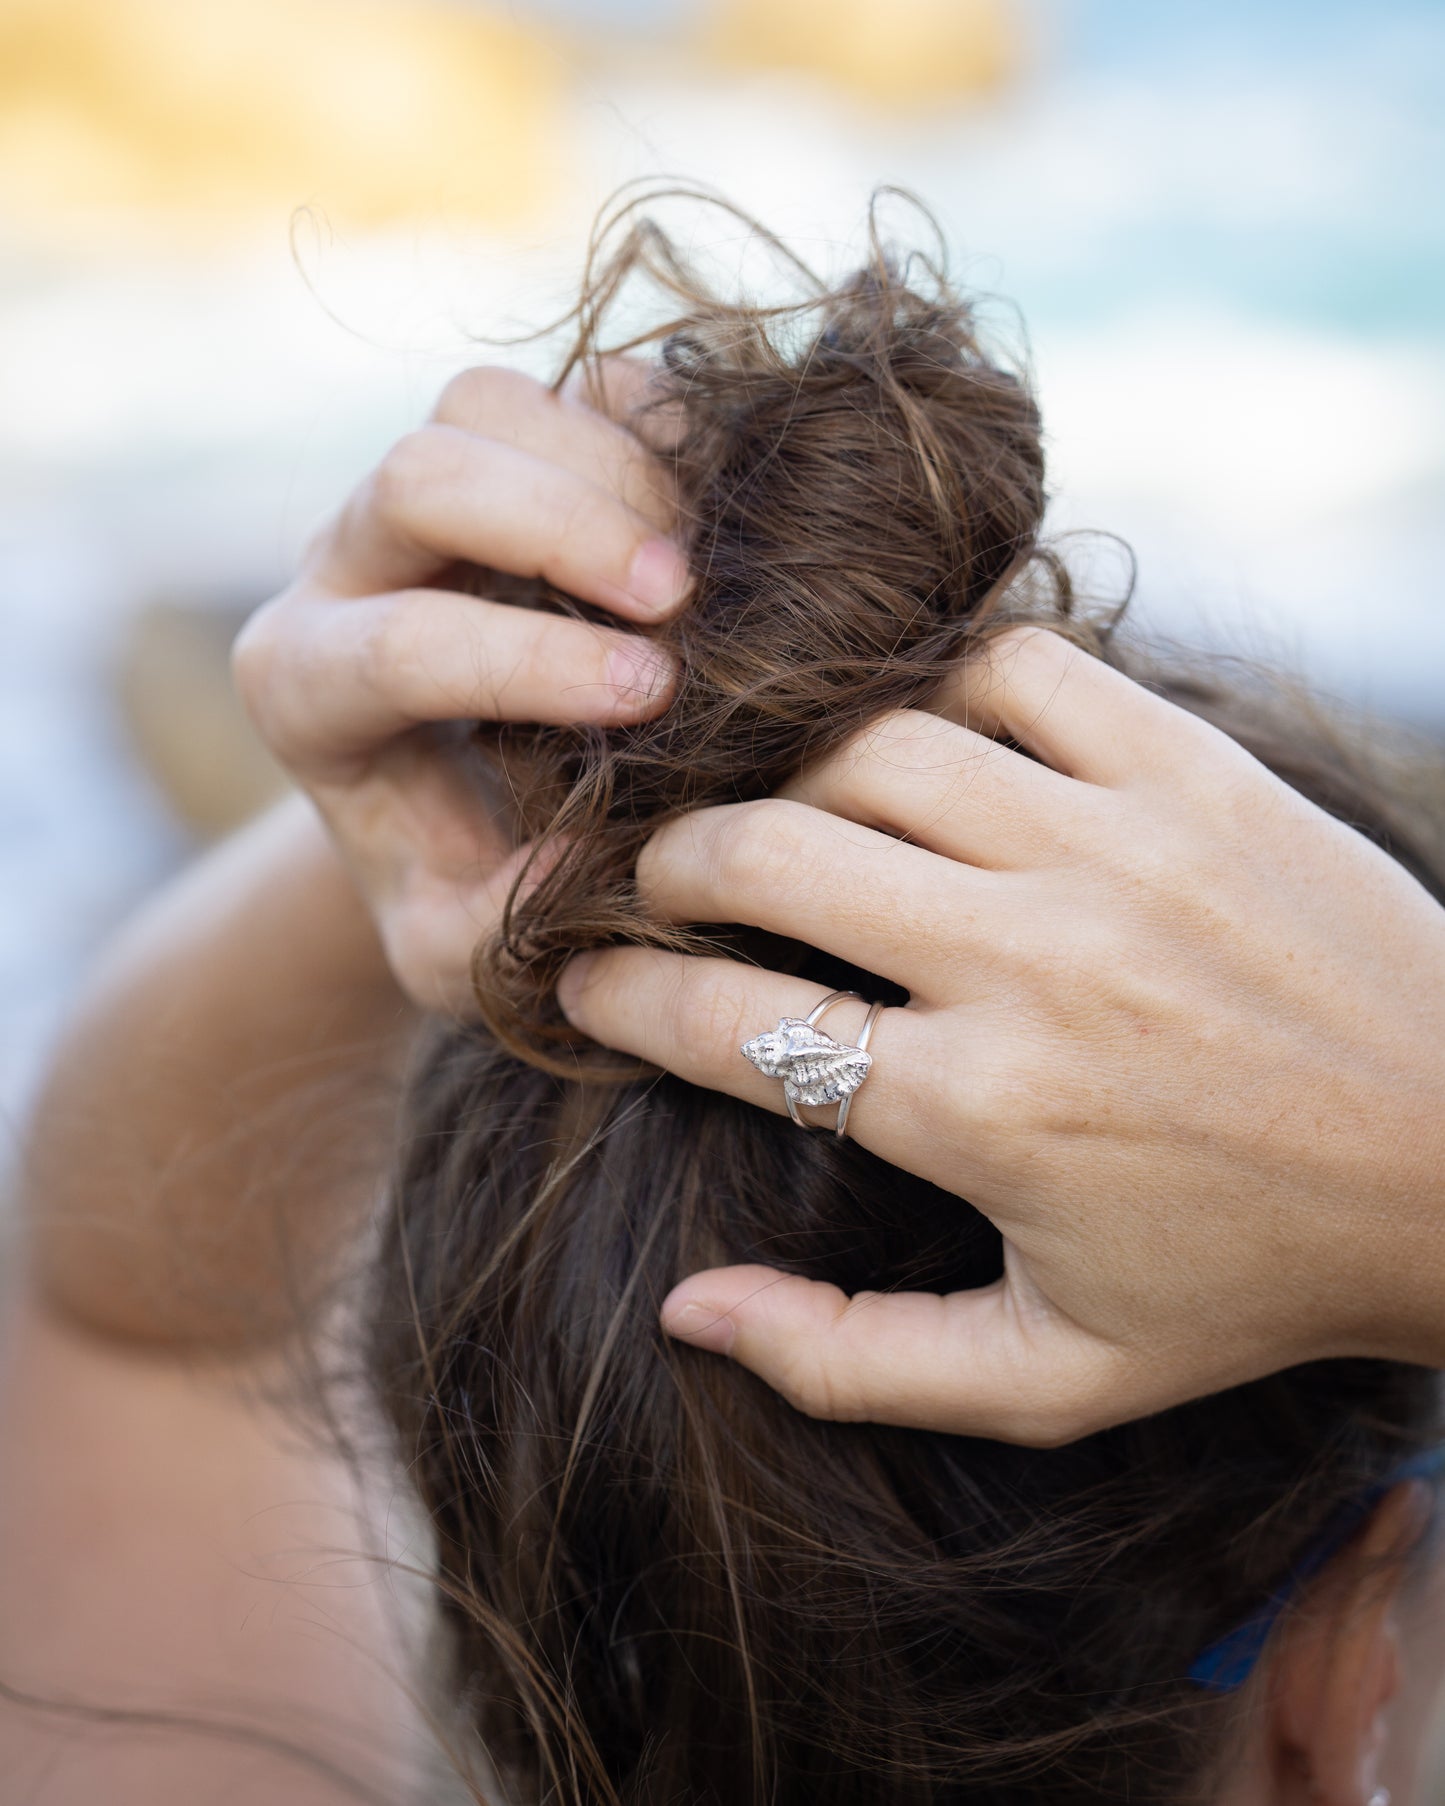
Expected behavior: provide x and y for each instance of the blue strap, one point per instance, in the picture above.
(1229, 1661)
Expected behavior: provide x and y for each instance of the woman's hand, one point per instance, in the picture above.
(1180, 1034)
(249, 1007)
(345, 671)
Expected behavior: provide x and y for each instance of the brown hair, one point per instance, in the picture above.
(664, 1584)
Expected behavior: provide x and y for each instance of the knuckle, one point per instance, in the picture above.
(1087, 951)
(1197, 761)
(1101, 823)
(704, 1010)
(605, 385)
(1030, 659)
(801, 1376)
(1228, 786)
(550, 657)
(904, 739)
(383, 648)
(946, 758)
(1169, 867)
(422, 978)
(403, 474)
(1039, 646)
(999, 1103)
(321, 538)
(587, 520)
(485, 397)
(254, 656)
(811, 1366)
(1050, 1423)
(757, 845)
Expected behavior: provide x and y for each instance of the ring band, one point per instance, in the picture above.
(865, 1035)
(815, 1069)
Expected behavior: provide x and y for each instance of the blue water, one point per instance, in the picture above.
(1142, 33)
(1339, 220)
(1365, 82)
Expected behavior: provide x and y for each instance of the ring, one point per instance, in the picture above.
(815, 1069)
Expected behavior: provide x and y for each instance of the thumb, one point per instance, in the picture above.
(969, 1363)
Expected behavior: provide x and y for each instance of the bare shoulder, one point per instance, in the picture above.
(200, 1603)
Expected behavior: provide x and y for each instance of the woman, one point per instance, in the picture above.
(1126, 978)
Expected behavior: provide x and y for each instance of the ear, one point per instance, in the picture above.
(1338, 1664)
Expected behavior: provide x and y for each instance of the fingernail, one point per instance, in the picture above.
(638, 671)
(701, 1326)
(573, 980)
(659, 577)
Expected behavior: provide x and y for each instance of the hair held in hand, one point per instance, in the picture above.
(858, 481)
(662, 1584)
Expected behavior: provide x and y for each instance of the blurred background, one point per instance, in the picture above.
(242, 242)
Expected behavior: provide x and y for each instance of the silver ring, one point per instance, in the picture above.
(815, 1069)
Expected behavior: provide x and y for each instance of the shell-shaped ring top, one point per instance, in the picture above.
(815, 1069)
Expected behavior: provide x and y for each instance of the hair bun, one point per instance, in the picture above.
(858, 482)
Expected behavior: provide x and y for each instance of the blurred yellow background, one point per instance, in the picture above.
(202, 117)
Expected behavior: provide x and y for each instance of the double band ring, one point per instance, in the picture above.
(815, 1069)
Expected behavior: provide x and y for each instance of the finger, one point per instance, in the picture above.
(431, 928)
(692, 1016)
(442, 494)
(947, 789)
(626, 389)
(325, 683)
(429, 935)
(613, 385)
(1071, 710)
(967, 1363)
(563, 429)
(873, 900)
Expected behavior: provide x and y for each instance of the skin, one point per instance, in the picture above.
(1333, 1726)
(211, 1133)
(1180, 1034)
(346, 671)
(179, 1174)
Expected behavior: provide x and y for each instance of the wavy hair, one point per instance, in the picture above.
(664, 1585)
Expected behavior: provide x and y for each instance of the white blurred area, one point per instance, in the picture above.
(1223, 227)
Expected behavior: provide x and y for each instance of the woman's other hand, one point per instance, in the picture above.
(1179, 1033)
(349, 670)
